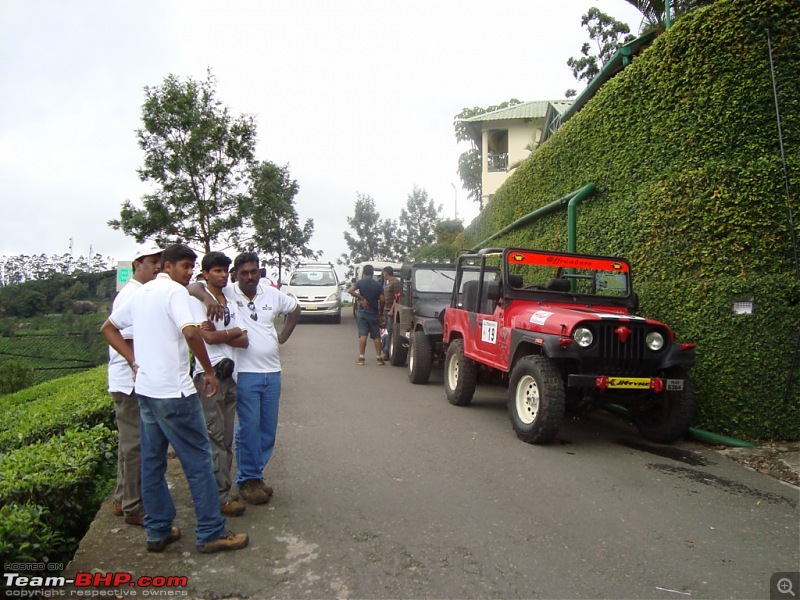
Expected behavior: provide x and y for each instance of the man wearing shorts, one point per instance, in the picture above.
(368, 294)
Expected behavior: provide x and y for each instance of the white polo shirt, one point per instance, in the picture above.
(216, 352)
(120, 374)
(158, 314)
(261, 356)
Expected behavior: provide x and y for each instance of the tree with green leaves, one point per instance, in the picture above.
(370, 237)
(469, 163)
(654, 11)
(417, 222)
(607, 34)
(269, 216)
(197, 155)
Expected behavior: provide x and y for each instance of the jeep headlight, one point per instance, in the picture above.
(583, 336)
(654, 341)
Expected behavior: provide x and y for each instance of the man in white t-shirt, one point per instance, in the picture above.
(221, 337)
(127, 495)
(258, 368)
(171, 415)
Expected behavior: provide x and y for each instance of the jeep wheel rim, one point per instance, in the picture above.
(452, 373)
(527, 399)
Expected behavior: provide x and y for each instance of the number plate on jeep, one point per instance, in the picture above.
(674, 385)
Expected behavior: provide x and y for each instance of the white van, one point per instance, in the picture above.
(316, 288)
(379, 266)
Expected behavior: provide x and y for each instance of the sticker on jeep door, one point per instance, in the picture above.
(489, 332)
(540, 317)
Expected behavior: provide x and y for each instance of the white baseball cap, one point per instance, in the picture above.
(147, 249)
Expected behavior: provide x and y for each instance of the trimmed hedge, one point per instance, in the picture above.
(42, 411)
(683, 147)
(57, 463)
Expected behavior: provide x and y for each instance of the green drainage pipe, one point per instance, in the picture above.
(571, 200)
(697, 434)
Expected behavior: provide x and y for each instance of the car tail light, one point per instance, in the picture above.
(601, 383)
(657, 385)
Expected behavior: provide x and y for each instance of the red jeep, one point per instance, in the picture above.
(560, 330)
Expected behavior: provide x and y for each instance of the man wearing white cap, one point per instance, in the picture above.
(128, 490)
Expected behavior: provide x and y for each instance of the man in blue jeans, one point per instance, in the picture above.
(258, 373)
(368, 293)
(164, 329)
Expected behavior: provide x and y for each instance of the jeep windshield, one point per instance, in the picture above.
(573, 274)
(434, 280)
(312, 278)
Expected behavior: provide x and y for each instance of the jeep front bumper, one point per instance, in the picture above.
(603, 383)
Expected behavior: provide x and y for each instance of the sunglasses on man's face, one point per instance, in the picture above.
(253, 313)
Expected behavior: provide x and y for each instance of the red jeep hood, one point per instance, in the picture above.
(561, 319)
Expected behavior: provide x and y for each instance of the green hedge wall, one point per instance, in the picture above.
(684, 149)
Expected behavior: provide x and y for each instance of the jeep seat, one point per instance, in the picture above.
(558, 284)
(515, 281)
(469, 298)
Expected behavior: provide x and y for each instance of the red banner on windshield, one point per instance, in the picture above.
(568, 262)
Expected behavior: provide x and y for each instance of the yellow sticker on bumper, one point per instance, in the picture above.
(629, 383)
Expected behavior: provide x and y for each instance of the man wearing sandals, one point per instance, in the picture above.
(165, 329)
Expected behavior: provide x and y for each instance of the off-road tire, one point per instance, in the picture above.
(536, 399)
(398, 351)
(670, 420)
(420, 358)
(460, 375)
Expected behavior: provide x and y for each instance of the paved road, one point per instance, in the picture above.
(384, 490)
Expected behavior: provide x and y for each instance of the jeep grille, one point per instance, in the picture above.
(612, 357)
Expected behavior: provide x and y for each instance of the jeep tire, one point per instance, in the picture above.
(460, 375)
(536, 399)
(398, 350)
(420, 358)
(669, 420)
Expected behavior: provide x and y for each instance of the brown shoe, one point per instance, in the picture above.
(135, 520)
(232, 508)
(116, 506)
(381, 362)
(229, 541)
(159, 545)
(234, 496)
(266, 488)
(252, 492)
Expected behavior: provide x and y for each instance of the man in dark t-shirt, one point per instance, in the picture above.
(368, 294)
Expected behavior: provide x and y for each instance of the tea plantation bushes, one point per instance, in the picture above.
(37, 413)
(57, 463)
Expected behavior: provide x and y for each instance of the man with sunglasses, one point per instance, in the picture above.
(258, 373)
(221, 337)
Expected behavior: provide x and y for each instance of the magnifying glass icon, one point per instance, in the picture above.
(784, 586)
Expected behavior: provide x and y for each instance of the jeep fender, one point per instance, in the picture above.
(547, 344)
(430, 326)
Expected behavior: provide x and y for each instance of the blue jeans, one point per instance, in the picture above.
(389, 319)
(179, 422)
(257, 396)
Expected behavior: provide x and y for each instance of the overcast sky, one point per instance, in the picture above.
(355, 96)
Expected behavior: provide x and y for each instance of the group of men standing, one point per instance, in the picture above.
(230, 330)
(375, 310)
